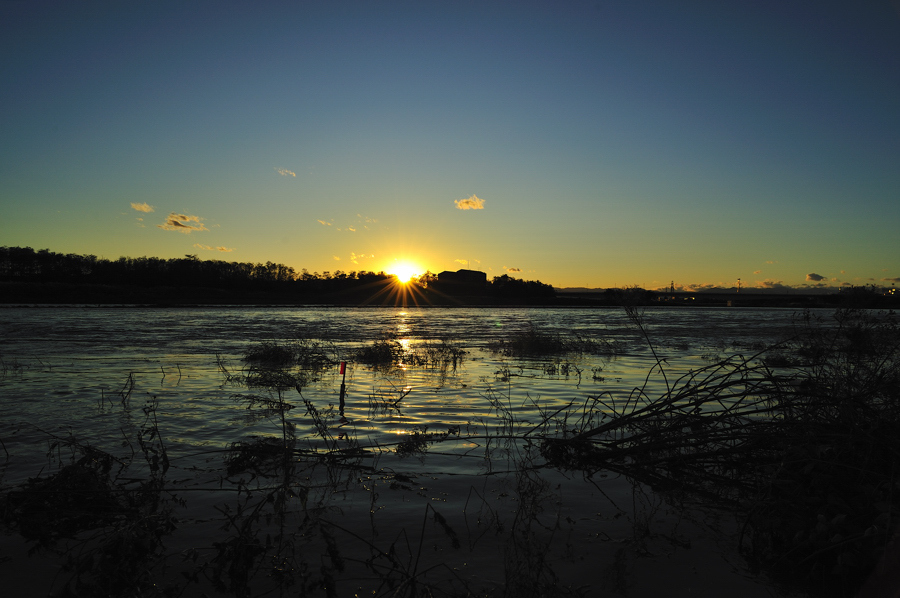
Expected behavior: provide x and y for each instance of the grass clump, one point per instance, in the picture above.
(534, 342)
(306, 353)
(387, 353)
(415, 443)
(382, 353)
(80, 496)
(108, 527)
(281, 366)
(260, 455)
(10, 369)
(442, 355)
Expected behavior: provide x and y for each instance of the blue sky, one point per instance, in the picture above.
(609, 143)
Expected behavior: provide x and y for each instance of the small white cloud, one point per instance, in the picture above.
(182, 223)
(209, 248)
(473, 203)
(142, 207)
(285, 172)
(356, 257)
(323, 223)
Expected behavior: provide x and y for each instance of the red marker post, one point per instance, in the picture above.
(343, 379)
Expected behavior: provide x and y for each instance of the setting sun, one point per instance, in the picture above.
(404, 271)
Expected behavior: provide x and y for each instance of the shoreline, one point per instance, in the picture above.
(50, 294)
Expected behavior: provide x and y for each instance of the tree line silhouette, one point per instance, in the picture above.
(44, 267)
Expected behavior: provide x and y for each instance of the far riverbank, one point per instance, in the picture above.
(61, 293)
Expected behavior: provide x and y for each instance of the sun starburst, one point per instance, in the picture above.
(405, 271)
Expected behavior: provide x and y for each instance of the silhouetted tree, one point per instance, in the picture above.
(24, 264)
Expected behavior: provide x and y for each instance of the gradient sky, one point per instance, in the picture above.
(595, 144)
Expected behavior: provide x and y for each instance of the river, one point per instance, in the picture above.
(460, 507)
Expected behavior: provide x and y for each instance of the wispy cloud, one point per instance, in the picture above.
(208, 248)
(473, 203)
(814, 277)
(182, 223)
(466, 262)
(366, 221)
(512, 270)
(285, 172)
(896, 279)
(757, 271)
(362, 223)
(142, 207)
(700, 286)
(770, 283)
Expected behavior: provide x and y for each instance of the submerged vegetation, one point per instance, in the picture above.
(388, 353)
(534, 342)
(797, 442)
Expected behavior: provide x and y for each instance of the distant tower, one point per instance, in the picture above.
(672, 289)
(739, 285)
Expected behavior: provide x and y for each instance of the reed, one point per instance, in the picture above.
(803, 453)
(108, 525)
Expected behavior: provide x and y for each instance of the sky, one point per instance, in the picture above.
(583, 144)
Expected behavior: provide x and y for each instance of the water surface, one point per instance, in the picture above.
(87, 373)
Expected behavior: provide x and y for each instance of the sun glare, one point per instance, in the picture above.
(404, 271)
